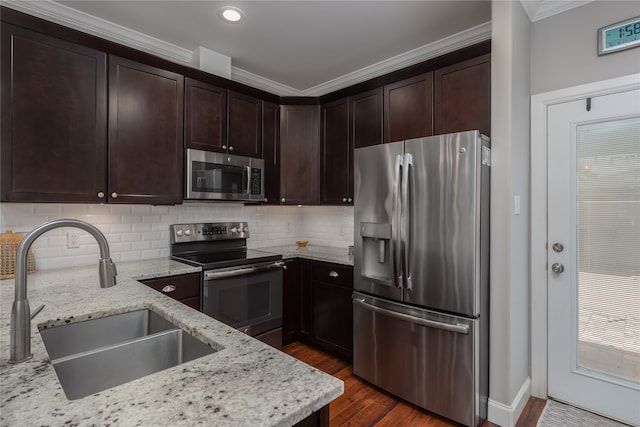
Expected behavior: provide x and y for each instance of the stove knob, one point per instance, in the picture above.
(179, 233)
(234, 230)
(187, 232)
(246, 229)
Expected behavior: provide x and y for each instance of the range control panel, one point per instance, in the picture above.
(181, 233)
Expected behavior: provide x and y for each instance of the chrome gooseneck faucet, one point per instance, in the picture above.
(20, 313)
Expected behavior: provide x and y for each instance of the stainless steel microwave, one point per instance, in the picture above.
(219, 176)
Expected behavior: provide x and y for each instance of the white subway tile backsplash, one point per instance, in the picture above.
(139, 232)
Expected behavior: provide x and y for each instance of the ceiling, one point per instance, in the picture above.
(299, 48)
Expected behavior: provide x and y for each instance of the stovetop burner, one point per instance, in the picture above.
(215, 245)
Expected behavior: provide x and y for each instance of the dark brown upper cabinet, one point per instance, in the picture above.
(271, 151)
(463, 96)
(205, 116)
(244, 136)
(336, 158)
(366, 118)
(408, 108)
(54, 119)
(145, 133)
(299, 154)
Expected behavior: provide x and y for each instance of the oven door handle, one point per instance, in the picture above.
(212, 275)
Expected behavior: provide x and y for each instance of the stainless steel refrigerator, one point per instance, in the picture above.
(421, 272)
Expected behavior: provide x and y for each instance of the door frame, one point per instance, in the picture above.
(538, 213)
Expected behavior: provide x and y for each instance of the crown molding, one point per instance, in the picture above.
(540, 9)
(69, 17)
(448, 44)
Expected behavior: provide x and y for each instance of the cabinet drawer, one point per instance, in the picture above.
(186, 285)
(332, 273)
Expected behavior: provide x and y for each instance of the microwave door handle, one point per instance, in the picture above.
(248, 192)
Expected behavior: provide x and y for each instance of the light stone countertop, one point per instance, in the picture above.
(314, 252)
(245, 383)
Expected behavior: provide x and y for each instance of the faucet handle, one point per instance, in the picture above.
(108, 273)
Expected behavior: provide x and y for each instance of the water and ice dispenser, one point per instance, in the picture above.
(376, 251)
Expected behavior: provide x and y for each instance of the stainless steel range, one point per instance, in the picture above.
(240, 287)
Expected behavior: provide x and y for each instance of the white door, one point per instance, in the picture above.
(594, 254)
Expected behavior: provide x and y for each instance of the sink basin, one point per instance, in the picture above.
(97, 354)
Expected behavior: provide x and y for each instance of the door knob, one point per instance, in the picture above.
(556, 267)
(558, 247)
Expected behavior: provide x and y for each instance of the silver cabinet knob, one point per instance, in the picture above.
(558, 247)
(333, 273)
(349, 199)
(101, 195)
(283, 200)
(114, 195)
(224, 147)
(231, 148)
(556, 267)
(344, 200)
(168, 288)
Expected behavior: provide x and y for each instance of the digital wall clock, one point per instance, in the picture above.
(619, 36)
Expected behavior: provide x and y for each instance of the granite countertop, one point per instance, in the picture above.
(244, 383)
(314, 252)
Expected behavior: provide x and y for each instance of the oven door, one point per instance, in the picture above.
(219, 176)
(246, 298)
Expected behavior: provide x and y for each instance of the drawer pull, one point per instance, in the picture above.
(168, 288)
(333, 273)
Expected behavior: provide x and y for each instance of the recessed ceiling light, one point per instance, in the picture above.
(230, 14)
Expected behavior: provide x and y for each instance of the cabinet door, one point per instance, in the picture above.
(271, 151)
(306, 301)
(145, 133)
(408, 108)
(463, 97)
(205, 116)
(366, 118)
(336, 175)
(245, 125)
(184, 288)
(299, 153)
(291, 302)
(54, 112)
(332, 287)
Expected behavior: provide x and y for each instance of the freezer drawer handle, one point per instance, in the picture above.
(460, 329)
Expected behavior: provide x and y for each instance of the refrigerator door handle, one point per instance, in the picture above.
(457, 328)
(406, 219)
(396, 224)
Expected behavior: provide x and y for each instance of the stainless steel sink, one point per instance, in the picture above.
(97, 354)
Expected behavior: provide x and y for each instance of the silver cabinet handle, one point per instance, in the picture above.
(283, 200)
(333, 273)
(344, 200)
(349, 199)
(168, 288)
(224, 147)
(231, 148)
(114, 195)
(558, 247)
(556, 267)
(101, 195)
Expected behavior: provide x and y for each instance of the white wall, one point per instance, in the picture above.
(138, 232)
(509, 300)
(564, 47)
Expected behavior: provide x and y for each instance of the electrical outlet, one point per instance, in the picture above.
(73, 240)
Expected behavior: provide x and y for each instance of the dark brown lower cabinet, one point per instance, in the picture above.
(317, 306)
(184, 288)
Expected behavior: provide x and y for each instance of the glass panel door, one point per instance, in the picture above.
(608, 206)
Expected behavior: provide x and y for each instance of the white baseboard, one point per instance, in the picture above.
(507, 415)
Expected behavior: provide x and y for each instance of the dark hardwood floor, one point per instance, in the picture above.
(363, 405)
